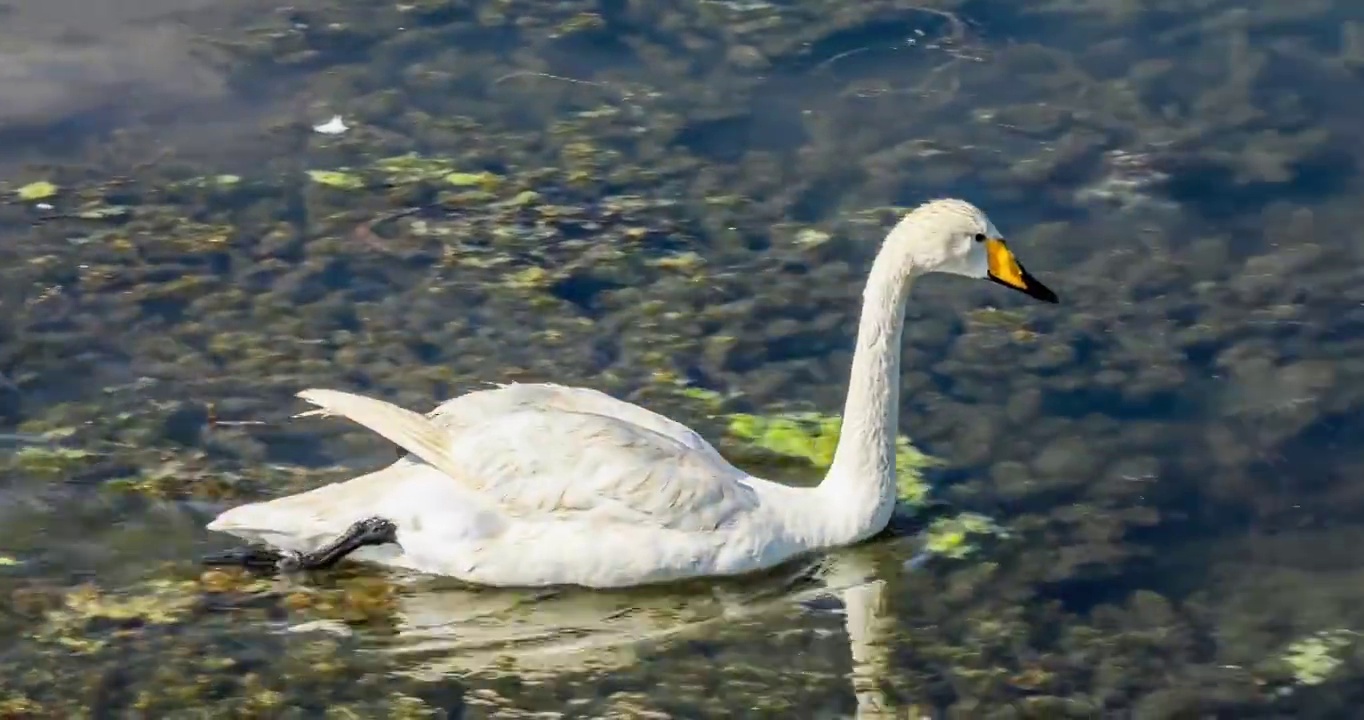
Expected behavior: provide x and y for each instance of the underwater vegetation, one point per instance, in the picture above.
(676, 203)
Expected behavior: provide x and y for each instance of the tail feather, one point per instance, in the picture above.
(411, 431)
(305, 520)
(274, 526)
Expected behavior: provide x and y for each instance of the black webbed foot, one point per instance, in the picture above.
(252, 557)
(363, 533)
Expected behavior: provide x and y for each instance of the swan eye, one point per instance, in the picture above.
(980, 237)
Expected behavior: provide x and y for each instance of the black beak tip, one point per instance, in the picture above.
(1032, 288)
(1036, 289)
(1043, 293)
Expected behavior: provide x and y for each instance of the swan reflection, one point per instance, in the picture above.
(445, 631)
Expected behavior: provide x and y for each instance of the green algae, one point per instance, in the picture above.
(958, 536)
(338, 179)
(37, 191)
(238, 295)
(807, 437)
(50, 461)
(813, 438)
(410, 168)
(1315, 659)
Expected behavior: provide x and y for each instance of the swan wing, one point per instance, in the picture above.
(554, 459)
(476, 408)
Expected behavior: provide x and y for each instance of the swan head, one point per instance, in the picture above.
(956, 237)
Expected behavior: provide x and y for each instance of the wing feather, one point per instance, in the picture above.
(546, 450)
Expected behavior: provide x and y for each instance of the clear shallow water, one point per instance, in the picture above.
(1173, 447)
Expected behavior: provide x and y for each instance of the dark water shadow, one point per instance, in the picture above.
(1213, 191)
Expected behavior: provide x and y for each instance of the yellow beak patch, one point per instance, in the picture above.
(1007, 271)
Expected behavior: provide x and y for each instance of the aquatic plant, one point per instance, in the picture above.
(1315, 659)
(637, 227)
(813, 437)
(957, 536)
(339, 179)
(49, 460)
(36, 191)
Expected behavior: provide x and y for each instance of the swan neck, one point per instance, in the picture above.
(861, 479)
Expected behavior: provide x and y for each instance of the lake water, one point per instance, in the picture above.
(650, 198)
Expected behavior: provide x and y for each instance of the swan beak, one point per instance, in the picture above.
(1007, 271)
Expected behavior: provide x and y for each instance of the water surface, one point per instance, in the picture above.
(645, 197)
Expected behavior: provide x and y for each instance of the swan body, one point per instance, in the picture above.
(541, 484)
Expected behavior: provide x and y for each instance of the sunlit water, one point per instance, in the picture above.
(1175, 447)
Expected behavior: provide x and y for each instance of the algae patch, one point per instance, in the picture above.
(337, 179)
(806, 437)
(813, 438)
(87, 608)
(35, 191)
(957, 537)
(1315, 659)
(48, 461)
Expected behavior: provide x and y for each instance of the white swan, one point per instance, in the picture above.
(540, 484)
